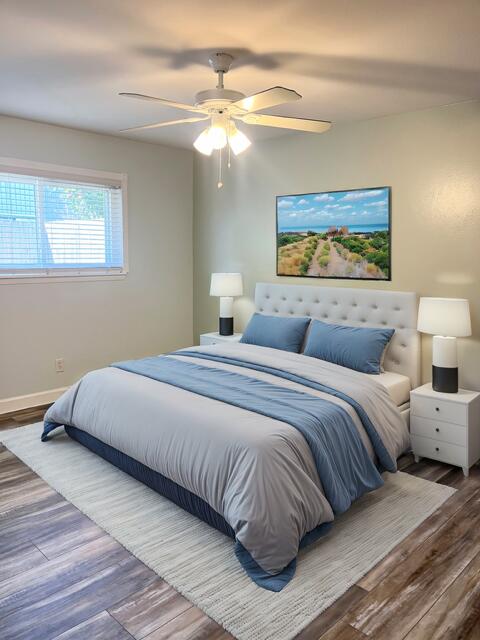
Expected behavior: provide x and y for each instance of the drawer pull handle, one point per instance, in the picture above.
(437, 409)
(437, 430)
(437, 449)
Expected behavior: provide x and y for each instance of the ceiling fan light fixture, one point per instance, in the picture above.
(220, 107)
(238, 141)
(203, 143)
(217, 136)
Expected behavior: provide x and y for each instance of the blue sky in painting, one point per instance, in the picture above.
(350, 208)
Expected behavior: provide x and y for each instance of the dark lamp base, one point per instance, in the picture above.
(225, 326)
(445, 379)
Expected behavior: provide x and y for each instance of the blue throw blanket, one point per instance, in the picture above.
(343, 464)
(387, 463)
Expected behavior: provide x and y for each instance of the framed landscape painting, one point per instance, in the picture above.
(335, 234)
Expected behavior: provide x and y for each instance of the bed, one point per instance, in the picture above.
(265, 445)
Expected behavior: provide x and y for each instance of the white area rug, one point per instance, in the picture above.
(200, 562)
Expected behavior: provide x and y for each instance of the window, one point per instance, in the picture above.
(56, 221)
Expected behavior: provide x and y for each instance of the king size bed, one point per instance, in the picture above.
(264, 444)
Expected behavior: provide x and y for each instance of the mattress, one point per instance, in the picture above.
(398, 386)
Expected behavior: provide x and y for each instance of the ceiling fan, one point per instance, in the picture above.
(224, 107)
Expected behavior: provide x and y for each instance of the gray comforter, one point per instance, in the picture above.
(257, 472)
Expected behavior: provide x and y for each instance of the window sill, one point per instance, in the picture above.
(62, 278)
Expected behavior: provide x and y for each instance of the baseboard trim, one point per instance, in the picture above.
(17, 403)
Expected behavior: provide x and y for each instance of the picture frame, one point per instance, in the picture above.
(342, 234)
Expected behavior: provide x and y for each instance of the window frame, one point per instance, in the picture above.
(59, 172)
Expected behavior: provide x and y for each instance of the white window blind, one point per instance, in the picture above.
(57, 226)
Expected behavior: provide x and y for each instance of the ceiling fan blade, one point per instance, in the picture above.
(166, 103)
(265, 99)
(285, 122)
(156, 125)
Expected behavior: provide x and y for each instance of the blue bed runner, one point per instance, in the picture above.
(387, 463)
(344, 466)
(345, 469)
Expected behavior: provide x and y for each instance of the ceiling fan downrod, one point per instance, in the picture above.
(220, 63)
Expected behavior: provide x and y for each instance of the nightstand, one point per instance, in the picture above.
(445, 426)
(214, 338)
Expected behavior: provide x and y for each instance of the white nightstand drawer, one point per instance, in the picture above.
(437, 430)
(207, 340)
(443, 451)
(437, 409)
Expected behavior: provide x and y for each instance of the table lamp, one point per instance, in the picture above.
(447, 319)
(226, 286)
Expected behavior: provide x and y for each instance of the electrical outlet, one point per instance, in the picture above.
(59, 365)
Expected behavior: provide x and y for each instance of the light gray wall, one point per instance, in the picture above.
(431, 159)
(91, 324)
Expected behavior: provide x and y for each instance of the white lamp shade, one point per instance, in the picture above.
(444, 317)
(237, 140)
(202, 143)
(226, 284)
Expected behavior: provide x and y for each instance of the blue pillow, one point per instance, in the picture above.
(276, 332)
(359, 348)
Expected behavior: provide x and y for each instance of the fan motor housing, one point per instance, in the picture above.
(223, 97)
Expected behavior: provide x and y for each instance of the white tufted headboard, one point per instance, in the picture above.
(355, 307)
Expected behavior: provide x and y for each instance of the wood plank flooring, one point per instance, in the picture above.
(64, 578)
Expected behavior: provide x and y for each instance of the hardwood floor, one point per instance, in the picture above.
(64, 578)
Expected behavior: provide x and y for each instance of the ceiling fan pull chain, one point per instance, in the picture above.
(229, 164)
(219, 183)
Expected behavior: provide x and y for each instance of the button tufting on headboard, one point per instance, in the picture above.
(355, 307)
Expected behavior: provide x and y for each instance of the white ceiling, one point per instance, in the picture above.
(64, 61)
